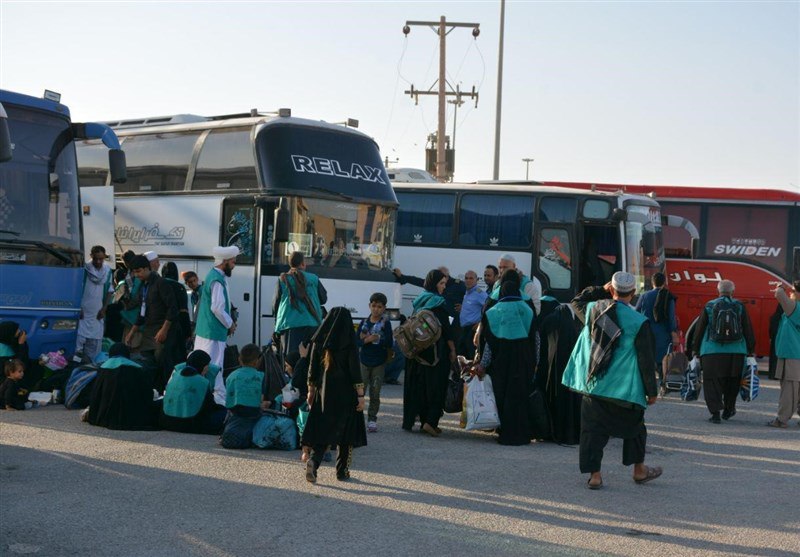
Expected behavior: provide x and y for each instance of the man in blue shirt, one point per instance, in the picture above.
(470, 314)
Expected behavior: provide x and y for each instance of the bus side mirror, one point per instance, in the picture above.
(695, 248)
(282, 222)
(117, 166)
(619, 215)
(5, 137)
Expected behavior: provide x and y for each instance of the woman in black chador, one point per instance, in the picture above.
(335, 395)
(425, 385)
(510, 355)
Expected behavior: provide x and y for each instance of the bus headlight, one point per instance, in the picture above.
(65, 325)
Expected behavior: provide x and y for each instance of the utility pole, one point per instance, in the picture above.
(441, 28)
(496, 170)
(527, 167)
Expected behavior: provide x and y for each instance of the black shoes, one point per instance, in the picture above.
(343, 477)
(714, 419)
(311, 471)
(727, 415)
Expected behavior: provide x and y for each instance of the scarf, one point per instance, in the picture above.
(95, 275)
(604, 332)
(336, 334)
(661, 306)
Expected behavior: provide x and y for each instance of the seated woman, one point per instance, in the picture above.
(122, 394)
(188, 405)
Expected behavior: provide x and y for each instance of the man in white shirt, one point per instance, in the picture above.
(214, 317)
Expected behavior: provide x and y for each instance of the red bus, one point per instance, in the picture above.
(749, 236)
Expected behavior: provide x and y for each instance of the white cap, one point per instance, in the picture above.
(222, 253)
(623, 282)
(150, 255)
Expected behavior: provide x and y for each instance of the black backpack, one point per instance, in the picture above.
(726, 321)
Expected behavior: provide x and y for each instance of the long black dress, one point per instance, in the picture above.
(332, 418)
(425, 387)
(559, 333)
(512, 369)
(122, 397)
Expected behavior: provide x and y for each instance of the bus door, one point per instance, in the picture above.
(556, 262)
(268, 269)
(240, 222)
(600, 254)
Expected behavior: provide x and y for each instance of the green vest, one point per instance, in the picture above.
(289, 317)
(510, 320)
(131, 315)
(495, 294)
(208, 326)
(710, 347)
(119, 361)
(622, 381)
(6, 351)
(184, 395)
(243, 388)
(787, 342)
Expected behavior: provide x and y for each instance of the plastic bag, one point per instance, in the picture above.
(302, 418)
(290, 395)
(275, 431)
(690, 386)
(481, 405)
(750, 382)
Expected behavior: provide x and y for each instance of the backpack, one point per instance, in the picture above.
(419, 332)
(726, 322)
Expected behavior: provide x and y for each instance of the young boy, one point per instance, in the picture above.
(374, 340)
(244, 384)
(12, 395)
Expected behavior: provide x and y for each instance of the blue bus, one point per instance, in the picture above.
(41, 238)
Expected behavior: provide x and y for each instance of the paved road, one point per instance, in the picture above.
(67, 488)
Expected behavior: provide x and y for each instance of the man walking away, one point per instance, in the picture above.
(214, 319)
(613, 366)
(98, 289)
(723, 336)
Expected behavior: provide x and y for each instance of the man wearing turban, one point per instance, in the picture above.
(214, 320)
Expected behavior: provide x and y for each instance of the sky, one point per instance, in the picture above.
(681, 93)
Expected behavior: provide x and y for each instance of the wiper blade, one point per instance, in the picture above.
(332, 192)
(14, 232)
(46, 247)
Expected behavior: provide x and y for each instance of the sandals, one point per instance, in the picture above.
(777, 423)
(652, 474)
(592, 486)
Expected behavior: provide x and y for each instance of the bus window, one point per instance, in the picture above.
(555, 257)
(92, 163)
(599, 255)
(238, 229)
(557, 209)
(157, 162)
(755, 233)
(677, 241)
(226, 161)
(495, 220)
(425, 218)
(596, 209)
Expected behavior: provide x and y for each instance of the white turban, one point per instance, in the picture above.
(150, 255)
(221, 253)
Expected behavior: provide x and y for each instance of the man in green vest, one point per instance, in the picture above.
(787, 350)
(214, 319)
(614, 367)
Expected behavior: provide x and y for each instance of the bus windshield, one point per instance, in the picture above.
(644, 244)
(340, 235)
(39, 216)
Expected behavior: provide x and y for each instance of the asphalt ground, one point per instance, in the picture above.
(68, 488)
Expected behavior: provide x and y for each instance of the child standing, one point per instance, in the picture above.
(374, 341)
(12, 395)
(244, 385)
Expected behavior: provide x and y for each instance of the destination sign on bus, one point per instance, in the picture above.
(332, 167)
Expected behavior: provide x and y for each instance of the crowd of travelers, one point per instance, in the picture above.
(577, 373)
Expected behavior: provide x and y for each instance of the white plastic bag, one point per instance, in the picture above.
(481, 405)
(290, 395)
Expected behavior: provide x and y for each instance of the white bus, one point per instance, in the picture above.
(270, 184)
(568, 239)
